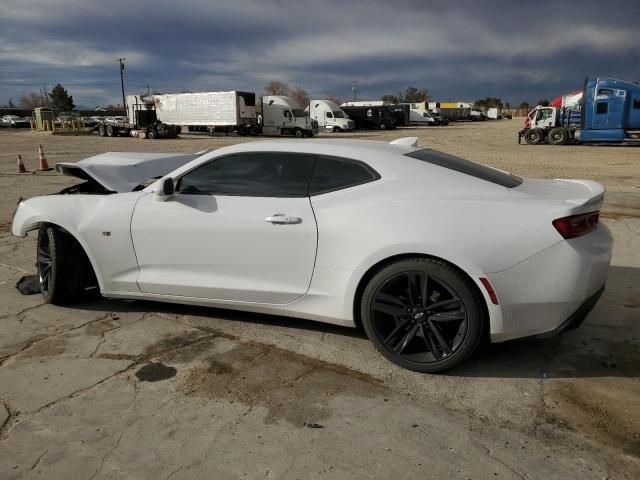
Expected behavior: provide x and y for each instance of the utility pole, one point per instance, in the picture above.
(124, 100)
(41, 99)
(354, 87)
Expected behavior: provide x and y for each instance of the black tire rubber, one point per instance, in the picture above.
(152, 135)
(102, 131)
(72, 279)
(534, 136)
(383, 126)
(254, 131)
(298, 133)
(463, 287)
(558, 136)
(110, 131)
(242, 130)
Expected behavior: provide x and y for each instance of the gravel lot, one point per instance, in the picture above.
(119, 389)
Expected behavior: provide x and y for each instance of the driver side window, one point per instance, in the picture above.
(254, 174)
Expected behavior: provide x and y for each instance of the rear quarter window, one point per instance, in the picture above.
(467, 167)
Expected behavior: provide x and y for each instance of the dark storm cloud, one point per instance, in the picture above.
(459, 49)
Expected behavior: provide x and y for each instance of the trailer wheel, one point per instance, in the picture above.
(558, 136)
(253, 131)
(242, 130)
(299, 133)
(534, 136)
(102, 131)
(383, 126)
(110, 131)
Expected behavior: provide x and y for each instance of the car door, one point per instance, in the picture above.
(238, 228)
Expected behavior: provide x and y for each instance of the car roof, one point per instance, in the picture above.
(333, 147)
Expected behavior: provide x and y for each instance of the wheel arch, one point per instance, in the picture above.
(379, 265)
(36, 225)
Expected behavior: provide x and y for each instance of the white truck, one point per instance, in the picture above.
(283, 116)
(330, 117)
(210, 111)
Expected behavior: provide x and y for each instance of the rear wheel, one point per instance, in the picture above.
(110, 131)
(102, 131)
(422, 314)
(299, 133)
(65, 273)
(383, 126)
(242, 130)
(558, 136)
(534, 136)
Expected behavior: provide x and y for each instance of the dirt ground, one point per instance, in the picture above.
(124, 389)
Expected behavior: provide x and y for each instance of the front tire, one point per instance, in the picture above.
(423, 314)
(534, 136)
(65, 273)
(299, 133)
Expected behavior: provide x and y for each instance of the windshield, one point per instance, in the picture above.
(298, 113)
(338, 114)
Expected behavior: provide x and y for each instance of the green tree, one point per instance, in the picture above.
(524, 105)
(489, 102)
(391, 98)
(60, 99)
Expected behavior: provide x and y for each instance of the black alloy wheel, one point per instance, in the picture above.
(44, 263)
(423, 314)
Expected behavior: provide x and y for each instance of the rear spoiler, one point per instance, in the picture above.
(405, 141)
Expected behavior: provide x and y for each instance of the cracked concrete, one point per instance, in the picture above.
(244, 390)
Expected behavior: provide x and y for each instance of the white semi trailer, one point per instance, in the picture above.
(213, 111)
(330, 117)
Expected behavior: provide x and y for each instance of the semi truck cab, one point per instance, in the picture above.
(609, 112)
(282, 116)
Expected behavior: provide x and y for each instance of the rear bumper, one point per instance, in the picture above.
(550, 291)
(576, 318)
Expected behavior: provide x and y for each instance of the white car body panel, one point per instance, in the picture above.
(123, 171)
(244, 257)
(219, 250)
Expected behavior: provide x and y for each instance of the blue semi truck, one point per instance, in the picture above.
(609, 112)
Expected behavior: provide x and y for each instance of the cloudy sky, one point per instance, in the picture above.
(464, 50)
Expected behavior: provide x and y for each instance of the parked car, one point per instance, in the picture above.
(14, 121)
(431, 253)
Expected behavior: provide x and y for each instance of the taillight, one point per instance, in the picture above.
(576, 225)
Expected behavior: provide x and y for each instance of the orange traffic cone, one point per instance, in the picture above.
(21, 167)
(44, 166)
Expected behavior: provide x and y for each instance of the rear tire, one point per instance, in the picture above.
(423, 314)
(65, 273)
(110, 131)
(534, 136)
(102, 131)
(383, 126)
(299, 133)
(558, 136)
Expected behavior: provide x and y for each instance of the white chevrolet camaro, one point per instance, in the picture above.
(430, 253)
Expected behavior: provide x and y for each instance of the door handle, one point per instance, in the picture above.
(282, 219)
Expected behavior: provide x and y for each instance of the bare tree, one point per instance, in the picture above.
(276, 87)
(300, 96)
(334, 99)
(31, 100)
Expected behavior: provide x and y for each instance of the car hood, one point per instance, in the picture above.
(123, 171)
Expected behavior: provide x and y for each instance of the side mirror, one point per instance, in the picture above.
(166, 189)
